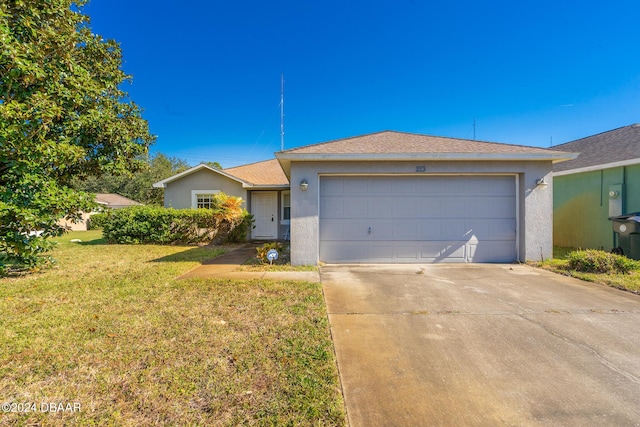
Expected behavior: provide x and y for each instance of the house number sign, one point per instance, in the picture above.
(421, 168)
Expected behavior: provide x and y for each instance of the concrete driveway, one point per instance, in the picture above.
(453, 345)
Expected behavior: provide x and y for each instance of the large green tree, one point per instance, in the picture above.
(63, 113)
(139, 187)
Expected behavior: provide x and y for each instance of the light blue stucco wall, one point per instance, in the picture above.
(535, 205)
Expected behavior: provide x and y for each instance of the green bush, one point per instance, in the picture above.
(96, 221)
(596, 261)
(241, 231)
(153, 224)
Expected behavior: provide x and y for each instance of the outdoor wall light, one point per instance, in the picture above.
(304, 185)
(541, 181)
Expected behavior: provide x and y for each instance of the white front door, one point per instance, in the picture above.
(264, 207)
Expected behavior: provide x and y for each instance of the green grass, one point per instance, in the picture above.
(109, 327)
(560, 264)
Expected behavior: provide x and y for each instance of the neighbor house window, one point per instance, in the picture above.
(286, 207)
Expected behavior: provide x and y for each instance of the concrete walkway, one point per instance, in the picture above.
(227, 265)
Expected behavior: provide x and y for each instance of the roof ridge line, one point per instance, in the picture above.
(598, 134)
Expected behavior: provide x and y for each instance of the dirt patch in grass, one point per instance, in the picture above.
(109, 328)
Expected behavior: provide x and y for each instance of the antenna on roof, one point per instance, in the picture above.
(474, 128)
(282, 112)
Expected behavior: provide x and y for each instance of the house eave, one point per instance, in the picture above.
(593, 168)
(267, 187)
(285, 159)
(164, 182)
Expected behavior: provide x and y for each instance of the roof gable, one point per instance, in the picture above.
(617, 146)
(391, 142)
(401, 146)
(266, 173)
(202, 166)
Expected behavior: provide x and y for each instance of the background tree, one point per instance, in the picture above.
(62, 115)
(214, 165)
(139, 187)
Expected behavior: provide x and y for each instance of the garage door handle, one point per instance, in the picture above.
(369, 230)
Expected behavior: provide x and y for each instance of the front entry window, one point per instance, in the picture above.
(286, 207)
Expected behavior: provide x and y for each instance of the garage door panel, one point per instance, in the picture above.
(356, 186)
(452, 185)
(381, 186)
(453, 207)
(452, 251)
(332, 207)
(339, 251)
(406, 208)
(489, 185)
(429, 207)
(418, 219)
(333, 186)
(381, 207)
(406, 230)
(491, 252)
(405, 186)
(490, 207)
(356, 207)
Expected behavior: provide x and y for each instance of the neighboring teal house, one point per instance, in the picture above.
(603, 181)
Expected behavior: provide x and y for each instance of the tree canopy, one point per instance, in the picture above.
(63, 114)
(139, 186)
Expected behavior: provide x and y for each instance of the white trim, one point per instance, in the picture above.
(593, 168)
(194, 196)
(517, 177)
(282, 220)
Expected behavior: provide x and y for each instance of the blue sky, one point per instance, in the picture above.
(207, 73)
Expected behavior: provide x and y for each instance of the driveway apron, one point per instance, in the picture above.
(479, 344)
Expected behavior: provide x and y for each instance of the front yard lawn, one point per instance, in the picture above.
(560, 264)
(109, 331)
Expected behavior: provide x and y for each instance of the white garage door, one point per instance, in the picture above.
(417, 219)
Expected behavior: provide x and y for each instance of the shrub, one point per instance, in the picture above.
(152, 224)
(241, 231)
(97, 220)
(596, 261)
(264, 249)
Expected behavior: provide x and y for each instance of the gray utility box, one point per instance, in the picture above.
(627, 234)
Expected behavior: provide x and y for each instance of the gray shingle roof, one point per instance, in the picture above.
(616, 145)
(390, 142)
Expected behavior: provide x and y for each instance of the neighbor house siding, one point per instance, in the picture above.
(632, 179)
(178, 194)
(581, 206)
(534, 210)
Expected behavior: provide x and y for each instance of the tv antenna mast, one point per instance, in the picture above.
(282, 112)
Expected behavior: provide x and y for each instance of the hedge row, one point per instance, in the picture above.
(227, 221)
